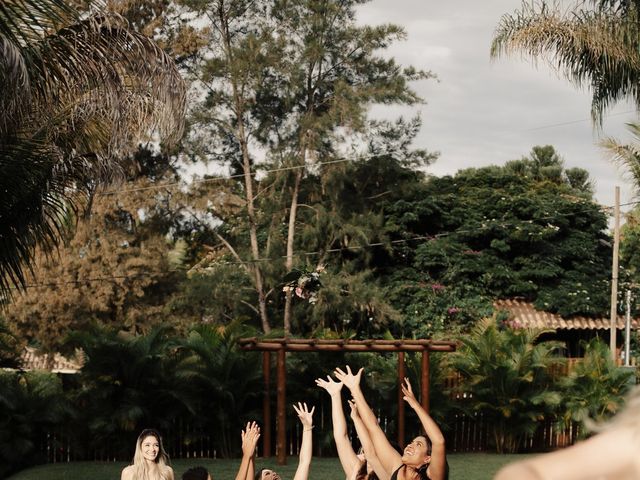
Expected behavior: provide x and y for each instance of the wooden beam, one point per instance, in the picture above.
(401, 375)
(274, 347)
(281, 427)
(424, 380)
(266, 404)
(344, 345)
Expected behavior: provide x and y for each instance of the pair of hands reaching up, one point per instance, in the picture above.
(251, 434)
(352, 380)
(333, 388)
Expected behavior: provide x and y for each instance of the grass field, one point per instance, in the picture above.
(467, 466)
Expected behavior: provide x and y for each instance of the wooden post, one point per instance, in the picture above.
(614, 278)
(424, 380)
(401, 376)
(281, 427)
(266, 404)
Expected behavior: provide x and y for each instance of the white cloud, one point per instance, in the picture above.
(488, 112)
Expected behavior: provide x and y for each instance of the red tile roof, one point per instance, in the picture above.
(528, 317)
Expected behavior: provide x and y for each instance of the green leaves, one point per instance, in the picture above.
(508, 376)
(595, 388)
(595, 47)
(77, 95)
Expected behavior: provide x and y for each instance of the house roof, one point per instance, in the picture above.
(526, 315)
(56, 363)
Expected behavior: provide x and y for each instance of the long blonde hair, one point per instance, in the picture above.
(141, 470)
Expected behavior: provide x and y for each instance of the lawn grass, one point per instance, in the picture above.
(467, 466)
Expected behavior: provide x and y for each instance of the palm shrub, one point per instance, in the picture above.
(224, 384)
(508, 377)
(32, 403)
(594, 389)
(127, 383)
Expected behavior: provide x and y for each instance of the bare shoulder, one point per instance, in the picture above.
(127, 473)
(169, 473)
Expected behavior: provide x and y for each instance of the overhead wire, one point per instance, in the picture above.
(491, 223)
(605, 209)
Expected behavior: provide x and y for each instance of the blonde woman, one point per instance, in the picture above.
(610, 454)
(149, 460)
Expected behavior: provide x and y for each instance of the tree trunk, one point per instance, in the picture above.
(248, 182)
(290, 237)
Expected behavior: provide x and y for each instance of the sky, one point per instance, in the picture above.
(487, 112)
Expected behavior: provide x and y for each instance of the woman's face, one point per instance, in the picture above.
(415, 454)
(150, 447)
(269, 475)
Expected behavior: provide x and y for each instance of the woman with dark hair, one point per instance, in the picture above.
(424, 458)
(364, 466)
(150, 461)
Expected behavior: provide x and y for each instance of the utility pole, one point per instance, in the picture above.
(627, 331)
(614, 276)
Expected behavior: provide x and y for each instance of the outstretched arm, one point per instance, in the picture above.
(438, 465)
(368, 447)
(389, 457)
(347, 456)
(583, 460)
(306, 449)
(250, 436)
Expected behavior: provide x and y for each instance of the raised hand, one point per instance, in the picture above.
(250, 436)
(354, 409)
(330, 385)
(305, 415)
(408, 395)
(348, 378)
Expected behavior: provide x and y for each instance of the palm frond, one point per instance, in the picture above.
(76, 95)
(626, 156)
(591, 48)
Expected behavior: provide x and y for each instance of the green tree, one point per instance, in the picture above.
(9, 346)
(126, 384)
(521, 230)
(76, 91)
(115, 268)
(32, 403)
(290, 82)
(508, 376)
(595, 45)
(594, 389)
(224, 383)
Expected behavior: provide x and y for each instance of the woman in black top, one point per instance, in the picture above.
(423, 458)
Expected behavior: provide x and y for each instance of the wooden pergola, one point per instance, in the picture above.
(283, 345)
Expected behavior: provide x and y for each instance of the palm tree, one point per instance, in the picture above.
(595, 388)
(223, 381)
(508, 377)
(626, 155)
(32, 404)
(76, 92)
(596, 47)
(127, 383)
